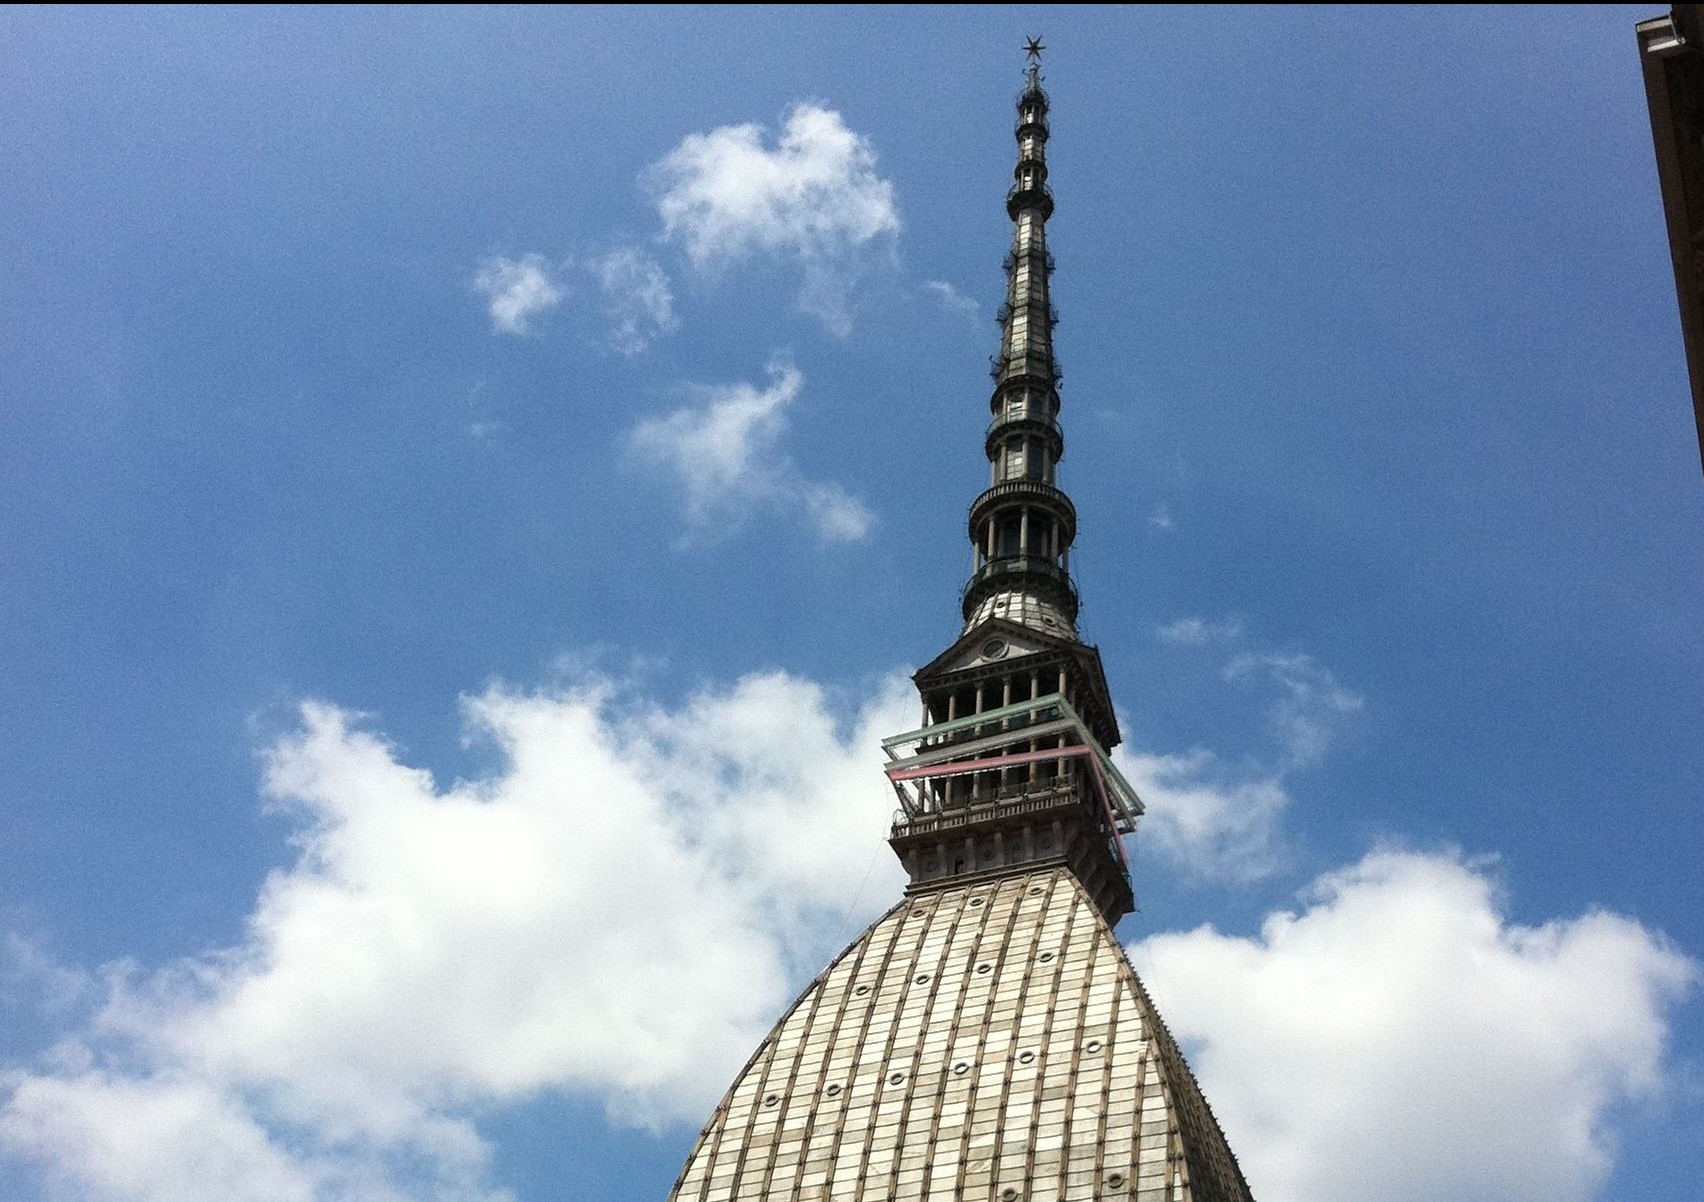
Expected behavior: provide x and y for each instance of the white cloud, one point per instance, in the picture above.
(951, 298)
(724, 452)
(1398, 1038)
(638, 300)
(155, 1139)
(31, 977)
(1199, 632)
(1218, 818)
(1312, 708)
(519, 290)
(814, 196)
(434, 950)
(1213, 821)
(837, 515)
(1161, 518)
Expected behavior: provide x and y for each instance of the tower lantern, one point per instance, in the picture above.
(1011, 768)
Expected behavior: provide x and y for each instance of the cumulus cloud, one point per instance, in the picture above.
(813, 196)
(1161, 518)
(724, 452)
(156, 1139)
(1213, 820)
(518, 290)
(637, 299)
(435, 949)
(1398, 1037)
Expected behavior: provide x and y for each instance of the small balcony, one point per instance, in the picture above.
(1036, 196)
(1037, 494)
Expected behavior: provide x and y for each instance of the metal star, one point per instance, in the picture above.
(1033, 48)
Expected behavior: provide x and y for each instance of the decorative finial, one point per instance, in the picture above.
(1033, 48)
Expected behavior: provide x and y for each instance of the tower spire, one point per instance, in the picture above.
(1023, 525)
(987, 1038)
(1010, 769)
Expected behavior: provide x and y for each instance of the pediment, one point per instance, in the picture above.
(991, 642)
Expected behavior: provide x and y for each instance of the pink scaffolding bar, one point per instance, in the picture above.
(961, 767)
(966, 767)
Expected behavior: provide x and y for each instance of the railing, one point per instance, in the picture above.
(1030, 90)
(1048, 578)
(1042, 190)
(1024, 421)
(982, 807)
(1031, 416)
(1038, 196)
(1035, 492)
(986, 806)
(997, 570)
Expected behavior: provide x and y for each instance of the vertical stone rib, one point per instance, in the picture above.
(976, 1155)
(912, 1085)
(854, 1103)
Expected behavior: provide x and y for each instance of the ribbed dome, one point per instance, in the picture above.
(987, 1043)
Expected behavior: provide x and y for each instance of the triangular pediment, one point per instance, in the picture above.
(991, 642)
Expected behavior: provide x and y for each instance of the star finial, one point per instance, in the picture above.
(1033, 48)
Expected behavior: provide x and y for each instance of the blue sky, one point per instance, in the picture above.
(473, 482)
